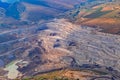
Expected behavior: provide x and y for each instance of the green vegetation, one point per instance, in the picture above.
(114, 14)
(58, 75)
(98, 13)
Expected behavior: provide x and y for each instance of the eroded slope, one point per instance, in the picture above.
(60, 44)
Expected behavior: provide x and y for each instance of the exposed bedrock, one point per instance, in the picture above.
(64, 44)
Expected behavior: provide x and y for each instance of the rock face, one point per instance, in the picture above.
(85, 45)
(65, 44)
(62, 44)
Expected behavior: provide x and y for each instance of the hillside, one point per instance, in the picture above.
(60, 44)
(105, 16)
(72, 75)
(35, 10)
(60, 39)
